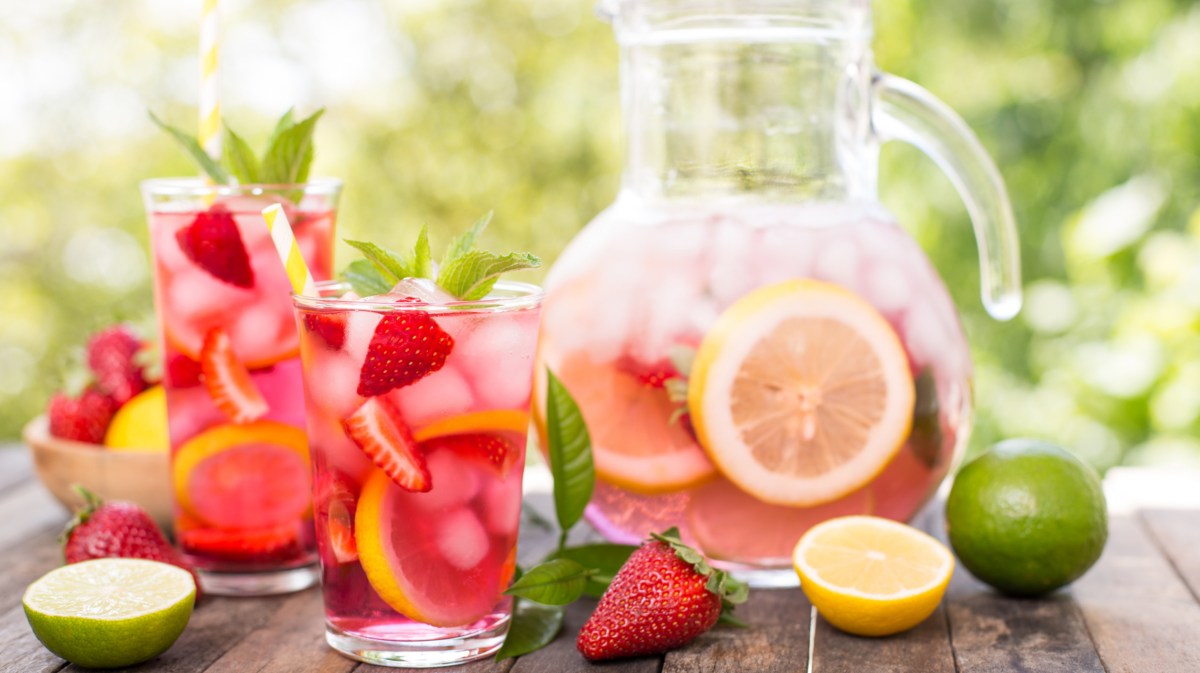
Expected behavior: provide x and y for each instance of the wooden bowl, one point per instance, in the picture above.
(141, 477)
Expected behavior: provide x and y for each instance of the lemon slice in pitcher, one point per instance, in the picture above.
(801, 393)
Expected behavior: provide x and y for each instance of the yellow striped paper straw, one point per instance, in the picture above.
(210, 95)
(289, 251)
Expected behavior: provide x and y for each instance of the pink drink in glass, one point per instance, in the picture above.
(239, 457)
(418, 488)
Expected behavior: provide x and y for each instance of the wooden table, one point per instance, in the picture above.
(1138, 610)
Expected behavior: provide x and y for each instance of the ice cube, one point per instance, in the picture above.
(837, 262)
(360, 328)
(502, 500)
(442, 394)
(424, 289)
(454, 483)
(462, 539)
(887, 287)
(497, 358)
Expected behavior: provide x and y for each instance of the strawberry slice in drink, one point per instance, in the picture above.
(330, 327)
(256, 545)
(228, 381)
(212, 241)
(406, 347)
(378, 430)
(335, 502)
(495, 450)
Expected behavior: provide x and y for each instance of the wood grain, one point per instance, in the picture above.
(1177, 534)
(925, 649)
(22, 651)
(15, 467)
(27, 509)
(292, 639)
(991, 633)
(1140, 615)
(776, 642)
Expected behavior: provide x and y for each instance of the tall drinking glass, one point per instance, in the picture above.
(418, 488)
(231, 370)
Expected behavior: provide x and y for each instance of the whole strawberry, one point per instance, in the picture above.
(84, 418)
(664, 596)
(117, 529)
(110, 355)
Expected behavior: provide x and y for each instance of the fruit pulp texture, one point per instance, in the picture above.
(641, 281)
(409, 566)
(242, 502)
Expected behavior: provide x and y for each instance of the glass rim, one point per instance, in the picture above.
(524, 296)
(198, 186)
(631, 18)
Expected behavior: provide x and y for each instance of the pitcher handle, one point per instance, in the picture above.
(902, 110)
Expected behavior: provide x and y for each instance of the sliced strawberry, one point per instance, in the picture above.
(182, 371)
(651, 375)
(84, 418)
(336, 501)
(255, 545)
(493, 449)
(228, 381)
(331, 327)
(212, 241)
(406, 347)
(379, 432)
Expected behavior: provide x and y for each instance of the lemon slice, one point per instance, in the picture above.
(801, 393)
(110, 613)
(141, 424)
(871, 576)
(494, 420)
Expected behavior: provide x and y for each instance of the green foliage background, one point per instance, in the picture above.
(1090, 109)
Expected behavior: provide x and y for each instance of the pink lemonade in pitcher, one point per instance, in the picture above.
(418, 412)
(887, 371)
(239, 457)
(754, 342)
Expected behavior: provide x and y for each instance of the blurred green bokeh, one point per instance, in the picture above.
(439, 110)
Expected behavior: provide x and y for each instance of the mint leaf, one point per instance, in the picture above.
(392, 266)
(555, 582)
(466, 242)
(285, 122)
(471, 276)
(603, 558)
(290, 154)
(366, 280)
(240, 158)
(192, 146)
(570, 450)
(422, 262)
(533, 627)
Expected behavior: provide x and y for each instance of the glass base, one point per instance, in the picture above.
(762, 578)
(455, 649)
(268, 583)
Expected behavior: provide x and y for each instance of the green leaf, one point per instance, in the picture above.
(729, 619)
(732, 591)
(604, 558)
(290, 154)
(285, 122)
(422, 262)
(555, 582)
(570, 450)
(366, 279)
(239, 158)
(471, 276)
(209, 165)
(466, 242)
(393, 267)
(533, 627)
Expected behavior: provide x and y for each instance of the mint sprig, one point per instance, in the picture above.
(285, 161)
(466, 273)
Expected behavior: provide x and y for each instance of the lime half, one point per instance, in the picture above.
(109, 613)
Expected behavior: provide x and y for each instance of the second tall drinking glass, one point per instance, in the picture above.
(231, 369)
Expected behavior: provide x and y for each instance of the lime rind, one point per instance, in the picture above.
(109, 613)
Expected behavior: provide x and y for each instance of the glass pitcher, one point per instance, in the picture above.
(754, 342)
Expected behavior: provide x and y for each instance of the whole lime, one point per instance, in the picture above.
(1027, 517)
(110, 612)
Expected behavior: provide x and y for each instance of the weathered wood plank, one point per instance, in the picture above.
(27, 509)
(15, 466)
(1140, 614)
(991, 633)
(22, 653)
(293, 639)
(925, 649)
(26, 561)
(1177, 533)
(561, 656)
(776, 642)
